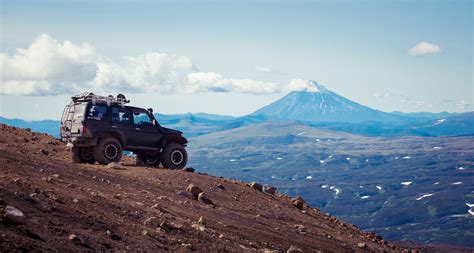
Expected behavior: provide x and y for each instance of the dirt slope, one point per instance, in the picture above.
(70, 207)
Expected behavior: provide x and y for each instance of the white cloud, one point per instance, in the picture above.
(46, 67)
(49, 67)
(263, 69)
(302, 85)
(424, 48)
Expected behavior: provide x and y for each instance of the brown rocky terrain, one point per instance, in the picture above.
(49, 204)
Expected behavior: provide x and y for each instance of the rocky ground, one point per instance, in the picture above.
(49, 204)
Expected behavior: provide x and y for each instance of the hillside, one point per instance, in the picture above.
(417, 188)
(71, 207)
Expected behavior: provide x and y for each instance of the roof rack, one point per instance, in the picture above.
(109, 100)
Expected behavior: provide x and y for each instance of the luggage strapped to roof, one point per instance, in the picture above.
(109, 100)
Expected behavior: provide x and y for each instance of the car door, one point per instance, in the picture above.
(146, 132)
(122, 122)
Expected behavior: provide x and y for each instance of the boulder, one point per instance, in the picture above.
(220, 187)
(269, 189)
(14, 216)
(194, 190)
(256, 186)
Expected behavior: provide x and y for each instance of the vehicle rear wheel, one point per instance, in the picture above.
(174, 156)
(108, 150)
(82, 155)
(148, 160)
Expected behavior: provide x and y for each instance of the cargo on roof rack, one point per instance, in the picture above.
(97, 99)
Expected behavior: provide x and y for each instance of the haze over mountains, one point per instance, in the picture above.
(382, 171)
(315, 106)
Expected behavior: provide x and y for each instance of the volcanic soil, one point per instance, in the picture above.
(83, 207)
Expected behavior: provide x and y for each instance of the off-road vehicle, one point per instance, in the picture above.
(100, 128)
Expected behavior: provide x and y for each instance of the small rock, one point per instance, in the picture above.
(220, 187)
(169, 226)
(201, 220)
(44, 152)
(256, 186)
(115, 166)
(298, 202)
(55, 175)
(13, 216)
(199, 227)
(118, 196)
(194, 190)
(34, 138)
(204, 199)
(25, 140)
(188, 169)
(269, 189)
(294, 249)
(74, 200)
(75, 239)
(152, 221)
(113, 236)
(47, 179)
(361, 245)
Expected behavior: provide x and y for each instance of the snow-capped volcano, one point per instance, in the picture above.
(313, 102)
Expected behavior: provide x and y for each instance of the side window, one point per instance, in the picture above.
(65, 113)
(97, 112)
(141, 118)
(76, 112)
(120, 115)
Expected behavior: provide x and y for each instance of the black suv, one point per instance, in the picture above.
(99, 128)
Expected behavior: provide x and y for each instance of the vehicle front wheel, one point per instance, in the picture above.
(108, 150)
(174, 156)
(82, 155)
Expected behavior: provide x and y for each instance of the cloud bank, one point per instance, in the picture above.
(48, 67)
(424, 48)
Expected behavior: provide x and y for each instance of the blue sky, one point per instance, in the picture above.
(359, 49)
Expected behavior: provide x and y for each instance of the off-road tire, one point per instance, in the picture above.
(108, 150)
(79, 155)
(174, 156)
(147, 160)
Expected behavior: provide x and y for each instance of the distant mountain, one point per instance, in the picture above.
(200, 115)
(427, 115)
(462, 124)
(323, 105)
(44, 126)
(198, 124)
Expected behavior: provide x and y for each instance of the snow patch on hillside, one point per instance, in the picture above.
(425, 196)
(439, 121)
